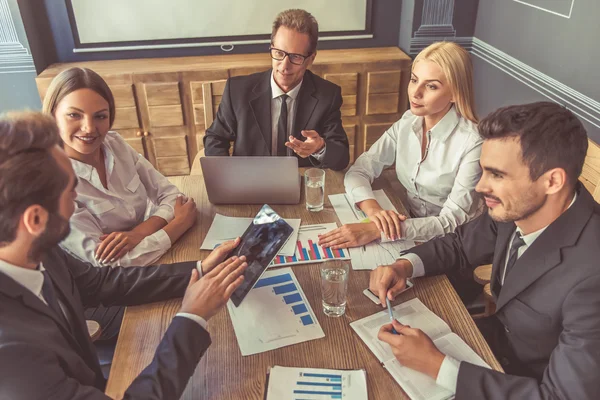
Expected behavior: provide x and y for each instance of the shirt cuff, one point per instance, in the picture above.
(199, 268)
(201, 321)
(165, 211)
(164, 241)
(319, 155)
(417, 263)
(448, 374)
(361, 193)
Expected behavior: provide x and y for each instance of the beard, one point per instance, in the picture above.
(524, 208)
(57, 229)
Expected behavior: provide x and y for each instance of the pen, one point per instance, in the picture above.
(391, 314)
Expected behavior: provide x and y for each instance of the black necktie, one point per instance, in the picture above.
(282, 127)
(516, 243)
(50, 296)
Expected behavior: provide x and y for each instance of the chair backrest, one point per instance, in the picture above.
(590, 175)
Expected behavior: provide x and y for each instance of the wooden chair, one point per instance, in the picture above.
(94, 329)
(590, 178)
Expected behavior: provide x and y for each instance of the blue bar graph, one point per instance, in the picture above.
(299, 309)
(334, 386)
(290, 287)
(292, 298)
(316, 250)
(306, 320)
(333, 378)
(334, 395)
(273, 280)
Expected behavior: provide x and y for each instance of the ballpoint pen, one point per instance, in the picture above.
(391, 314)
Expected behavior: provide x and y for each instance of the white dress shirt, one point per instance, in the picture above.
(440, 188)
(448, 373)
(136, 191)
(291, 103)
(33, 280)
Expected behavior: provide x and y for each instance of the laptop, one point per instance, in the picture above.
(251, 180)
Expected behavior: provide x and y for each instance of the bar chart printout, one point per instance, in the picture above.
(308, 250)
(274, 314)
(316, 384)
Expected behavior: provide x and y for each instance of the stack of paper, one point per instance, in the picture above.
(274, 314)
(414, 313)
(373, 254)
(308, 250)
(286, 383)
(225, 228)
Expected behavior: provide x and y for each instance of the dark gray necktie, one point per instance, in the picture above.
(282, 127)
(516, 244)
(49, 294)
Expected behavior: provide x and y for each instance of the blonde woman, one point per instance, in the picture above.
(127, 213)
(435, 147)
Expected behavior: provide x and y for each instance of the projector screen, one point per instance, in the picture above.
(125, 21)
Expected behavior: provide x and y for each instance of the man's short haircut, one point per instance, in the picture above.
(550, 135)
(301, 21)
(29, 174)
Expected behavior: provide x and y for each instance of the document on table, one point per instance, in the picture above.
(286, 383)
(376, 253)
(414, 313)
(274, 314)
(225, 228)
(308, 249)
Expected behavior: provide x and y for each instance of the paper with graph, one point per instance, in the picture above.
(376, 253)
(274, 314)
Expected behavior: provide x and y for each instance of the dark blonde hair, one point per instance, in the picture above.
(456, 64)
(29, 174)
(73, 79)
(301, 21)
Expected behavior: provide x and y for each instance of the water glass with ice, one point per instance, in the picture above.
(334, 287)
(314, 189)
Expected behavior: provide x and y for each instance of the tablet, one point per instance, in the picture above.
(260, 243)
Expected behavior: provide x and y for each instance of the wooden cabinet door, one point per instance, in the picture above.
(166, 121)
(205, 93)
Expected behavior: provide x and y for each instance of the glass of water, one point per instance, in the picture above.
(314, 189)
(334, 286)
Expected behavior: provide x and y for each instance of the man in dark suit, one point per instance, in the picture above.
(542, 235)
(284, 111)
(45, 349)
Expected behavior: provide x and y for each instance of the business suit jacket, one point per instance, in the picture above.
(244, 117)
(549, 305)
(44, 357)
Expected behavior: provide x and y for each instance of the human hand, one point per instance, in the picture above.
(413, 348)
(218, 255)
(313, 143)
(389, 280)
(387, 221)
(115, 245)
(185, 211)
(349, 235)
(205, 296)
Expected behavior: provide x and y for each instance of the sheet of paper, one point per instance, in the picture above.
(287, 383)
(412, 312)
(373, 254)
(307, 249)
(274, 314)
(225, 228)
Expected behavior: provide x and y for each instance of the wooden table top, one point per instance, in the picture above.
(223, 373)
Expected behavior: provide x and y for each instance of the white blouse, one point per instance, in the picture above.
(136, 191)
(440, 188)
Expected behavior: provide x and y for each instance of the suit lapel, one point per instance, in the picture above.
(305, 105)
(261, 107)
(545, 253)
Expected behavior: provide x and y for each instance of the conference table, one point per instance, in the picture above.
(223, 373)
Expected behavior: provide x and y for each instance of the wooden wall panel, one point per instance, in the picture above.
(126, 117)
(383, 92)
(351, 133)
(123, 95)
(137, 144)
(159, 94)
(170, 146)
(166, 116)
(170, 166)
(373, 132)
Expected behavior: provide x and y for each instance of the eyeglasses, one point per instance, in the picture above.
(279, 55)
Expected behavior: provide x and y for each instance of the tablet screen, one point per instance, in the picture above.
(260, 243)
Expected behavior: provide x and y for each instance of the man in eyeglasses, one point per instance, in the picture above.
(287, 110)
